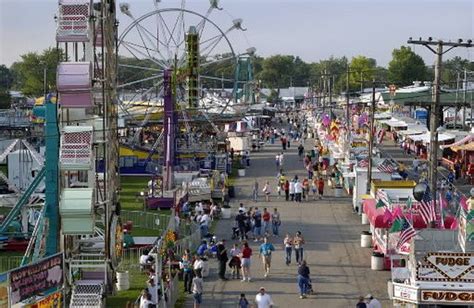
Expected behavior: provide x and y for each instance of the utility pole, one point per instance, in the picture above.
(464, 100)
(435, 104)
(348, 116)
(371, 138)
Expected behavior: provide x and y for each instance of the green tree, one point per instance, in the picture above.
(277, 71)
(6, 80)
(406, 67)
(453, 67)
(362, 71)
(29, 71)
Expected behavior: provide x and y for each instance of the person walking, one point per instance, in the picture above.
(187, 267)
(198, 287)
(287, 190)
(255, 190)
(300, 151)
(257, 218)
(298, 190)
(288, 242)
(320, 187)
(245, 255)
(277, 161)
(314, 187)
(266, 217)
(303, 279)
(282, 160)
(265, 253)
(292, 190)
(241, 224)
(361, 303)
(235, 261)
(372, 302)
(305, 189)
(222, 258)
(267, 190)
(243, 302)
(276, 222)
(263, 299)
(298, 242)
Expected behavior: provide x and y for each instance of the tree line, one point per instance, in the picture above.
(274, 72)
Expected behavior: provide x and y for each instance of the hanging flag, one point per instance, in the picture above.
(363, 163)
(397, 212)
(383, 197)
(409, 203)
(408, 232)
(397, 225)
(427, 210)
(387, 216)
(379, 204)
(386, 166)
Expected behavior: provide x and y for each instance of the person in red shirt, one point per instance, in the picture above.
(245, 259)
(287, 190)
(320, 187)
(266, 221)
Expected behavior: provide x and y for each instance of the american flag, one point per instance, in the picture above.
(364, 163)
(383, 196)
(386, 167)
(406, 234)
(427, 210)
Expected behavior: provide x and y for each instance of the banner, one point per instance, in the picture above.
(4, 290)
(51, 301)
(35, 278)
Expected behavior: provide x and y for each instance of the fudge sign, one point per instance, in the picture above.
(437, 296)
(447, 266)
(35, 278)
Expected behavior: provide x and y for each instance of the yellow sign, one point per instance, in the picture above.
(51, 301)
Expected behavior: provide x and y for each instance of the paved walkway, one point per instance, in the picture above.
(340, 269)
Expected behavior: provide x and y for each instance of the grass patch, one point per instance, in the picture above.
(144, 232)
(131, 186)
(122, 298)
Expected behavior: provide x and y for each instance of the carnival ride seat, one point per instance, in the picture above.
(77, 211)
(74, 83)
(73, 21)
(76, 148)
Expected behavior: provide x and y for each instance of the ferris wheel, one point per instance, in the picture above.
(206, 68)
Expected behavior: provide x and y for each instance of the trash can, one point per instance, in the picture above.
(377, 261)
(338, 192)
(231, 191)
(364, 219)
(205, 267)
(123, 281)
(365, 239)
(241, 172)
(225, 213)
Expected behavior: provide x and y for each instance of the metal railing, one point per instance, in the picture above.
(9, 262)
(147, 220)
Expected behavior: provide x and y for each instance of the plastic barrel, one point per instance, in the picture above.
(338, 192)
(225, 213)
(377, 261)
(364, 219)
(365, 239)
(123, 281)
(241, 172)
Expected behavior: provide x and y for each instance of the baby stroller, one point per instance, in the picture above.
(235, 233)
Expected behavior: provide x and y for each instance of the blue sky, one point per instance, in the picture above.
(313, 30)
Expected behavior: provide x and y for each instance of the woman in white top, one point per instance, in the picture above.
(267, 190)
(292, 190)
(288, 242)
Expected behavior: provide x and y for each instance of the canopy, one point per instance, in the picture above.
(463, 141)
(414, 130)
(425, 137)
(394, 123)
(464, 147)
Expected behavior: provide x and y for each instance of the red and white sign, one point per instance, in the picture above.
(405, 293)
(448, 296)
(447, 266)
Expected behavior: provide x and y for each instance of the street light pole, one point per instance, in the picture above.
(371, 138)
(435, 104)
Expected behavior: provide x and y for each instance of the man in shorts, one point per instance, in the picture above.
(266, 250)
(197, 289)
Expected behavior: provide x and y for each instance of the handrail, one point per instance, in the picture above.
(23, 200)
(33, 243)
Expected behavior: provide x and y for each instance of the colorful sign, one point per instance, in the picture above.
(4, 290)
(437, 296)
(405, 293)
(51, 301)
(447, 266)
(35, 278)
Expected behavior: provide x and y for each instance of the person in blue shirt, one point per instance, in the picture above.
(202, 249)
(265, 253)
